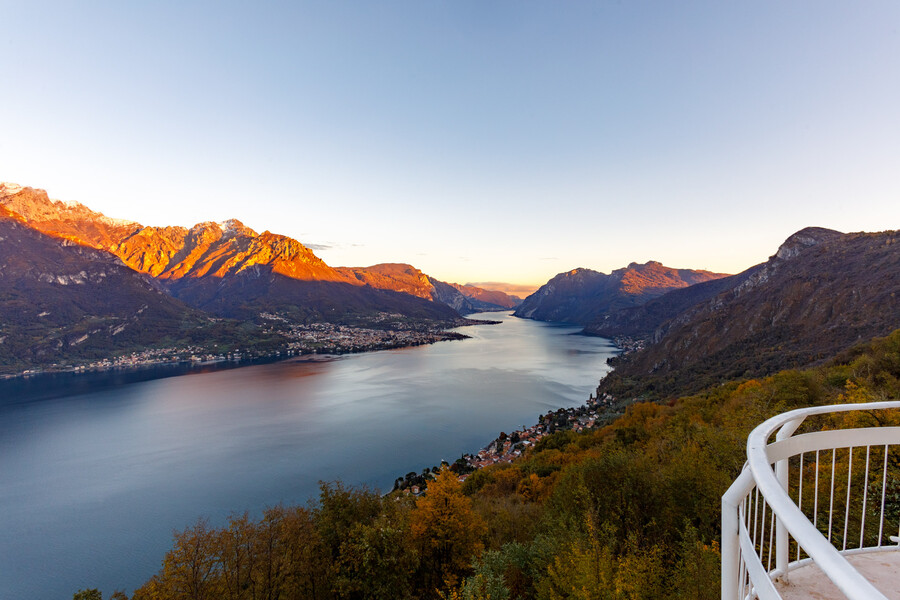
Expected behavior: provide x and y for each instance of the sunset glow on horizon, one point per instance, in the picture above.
(480, 142)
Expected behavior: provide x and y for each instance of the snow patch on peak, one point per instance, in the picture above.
(234, 227)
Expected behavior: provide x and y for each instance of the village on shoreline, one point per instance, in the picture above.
(507, 448)
(314, 339)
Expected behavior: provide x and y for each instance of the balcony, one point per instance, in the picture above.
(816, 514)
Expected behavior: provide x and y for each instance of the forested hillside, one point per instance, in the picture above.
(628, 510)
(821, 293)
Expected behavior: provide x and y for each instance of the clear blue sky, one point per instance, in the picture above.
(478, 140)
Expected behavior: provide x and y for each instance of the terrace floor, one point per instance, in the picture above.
(808, 582)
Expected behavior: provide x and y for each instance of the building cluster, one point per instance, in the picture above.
(312, 338)
(159, 356)
(332, 338)
(507, 448)
(629, 345)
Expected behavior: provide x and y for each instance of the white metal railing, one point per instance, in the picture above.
(831, 493)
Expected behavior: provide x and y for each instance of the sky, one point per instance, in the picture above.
(478, 140)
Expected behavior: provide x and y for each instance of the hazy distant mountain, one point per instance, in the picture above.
(582, 295)
(514, 290)
(401, 277)
(484, 299)
(822, 292)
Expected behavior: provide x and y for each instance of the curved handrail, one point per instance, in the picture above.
(832, 563)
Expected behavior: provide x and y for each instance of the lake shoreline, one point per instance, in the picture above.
(100, 461)
(236, 360)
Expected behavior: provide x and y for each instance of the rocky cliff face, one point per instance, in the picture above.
(68, 220)
(219, 250)
(822, 292)
(452, 297)
(581, 296)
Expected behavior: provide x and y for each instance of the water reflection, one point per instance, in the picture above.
(96, 473)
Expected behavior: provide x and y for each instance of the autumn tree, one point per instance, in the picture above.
(446, 532)
(190, 568)
(237, 557)
(307, 558)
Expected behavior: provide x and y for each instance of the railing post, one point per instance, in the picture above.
(731, 546)
(781, 532)
(731, 552)
(782, 543)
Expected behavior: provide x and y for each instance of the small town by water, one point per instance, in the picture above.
(95, 477)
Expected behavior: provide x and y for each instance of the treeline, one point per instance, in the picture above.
(626, 511)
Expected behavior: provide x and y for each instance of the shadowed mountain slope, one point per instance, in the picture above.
(581, 296)
(641, 321)
(822, 292)
(61, 300)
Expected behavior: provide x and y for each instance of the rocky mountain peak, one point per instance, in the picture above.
(805, 238)
(579, 274)
(233, 227)
(8, 189)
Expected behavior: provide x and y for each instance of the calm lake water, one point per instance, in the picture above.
(96, 471)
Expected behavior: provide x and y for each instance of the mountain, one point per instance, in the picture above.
(822, 292)
(60, 300)
(484, 299)
(225, 268)
(641, 321)
(581, 296)
(517, 291)
(401, 277)
(69, 220)
(219, 250)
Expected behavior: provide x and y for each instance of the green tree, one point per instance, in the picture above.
(340, 509)
(376, 561)
(92, 594)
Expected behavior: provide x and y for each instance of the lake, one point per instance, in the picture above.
(97, 470)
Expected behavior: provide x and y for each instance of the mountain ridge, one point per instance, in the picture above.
(821, 292)
(198, 263)
(583, 295)
(61, 301)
